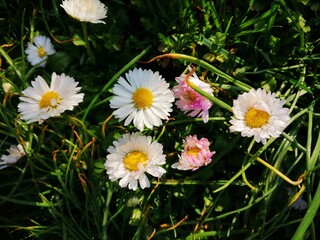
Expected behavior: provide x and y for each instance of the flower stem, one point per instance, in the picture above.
(308, 217)
(85, 34)
(209, 96)
(106, 213)
(276, 171)
(244, 178)
(297, 195)
(205, 65)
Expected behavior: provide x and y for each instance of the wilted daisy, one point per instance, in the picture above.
(259, 114)
(189, 101)
(196, 153)
(131, 157)
(39, 50)
(6, 86)
(85, 10)
(15, 153)
(144, 98)
(42, 101)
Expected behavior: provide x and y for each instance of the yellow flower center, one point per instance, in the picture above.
(49, 99)
(132, 159)
(193, 151)
(256, 118)
(41, 52)
(142, 98)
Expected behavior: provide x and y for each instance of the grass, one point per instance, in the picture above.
(60, 189)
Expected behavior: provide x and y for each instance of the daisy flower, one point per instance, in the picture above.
(85, 10)
(144, 98)
(131, 157)
(15, 153)
(189, 101)
(42, 101)
(196, 153)
(6, 87)
(39, 50)
(259, 114)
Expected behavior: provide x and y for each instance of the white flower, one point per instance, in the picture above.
(259, 114)
(144, 98)
(85, 10)
(131, 157)
(15, 153)
(41, 102)
(39, 50)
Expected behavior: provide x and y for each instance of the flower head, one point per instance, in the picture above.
(6, 87)
(39, 50)
(85, 10)
(42, 101)
(189, 101)
(15, 153)
(131, 157)
(259, 114)
(144, 98)
(196, 154)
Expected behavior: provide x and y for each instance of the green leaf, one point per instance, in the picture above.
(302, 23)
(77, 40)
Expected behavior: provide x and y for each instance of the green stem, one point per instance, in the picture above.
(308, 217)
(309, 138)
(106, 213)
(276, 171)
(209, 96)
(308, 166)
(245, 167)
(207, 66)
(174, 122)
(86, 38)
(315, 154)
(244, 178)
(174, 182)
(10, 62)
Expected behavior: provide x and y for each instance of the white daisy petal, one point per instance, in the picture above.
(40, 85)
(133, 184)
(144, 181)
(132, 156)
(118, 102)
(152, 118)
(41, 101)
(159, 112)
(15, 153)
(143, 98)
(85, 10)
(259, 114)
